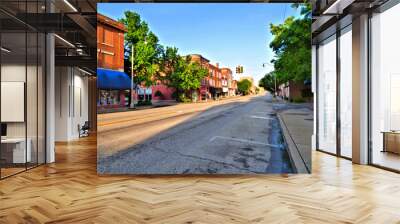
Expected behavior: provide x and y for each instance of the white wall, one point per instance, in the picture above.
(71, 102)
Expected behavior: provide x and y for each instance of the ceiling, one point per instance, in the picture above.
(73, 21)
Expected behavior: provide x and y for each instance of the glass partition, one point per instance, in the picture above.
(22, 101)
(327, 95)
(346, 92)
(14, 153)
(385, 89)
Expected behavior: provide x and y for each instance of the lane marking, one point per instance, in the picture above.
(267, 113)
(264, 118)
(244, 141)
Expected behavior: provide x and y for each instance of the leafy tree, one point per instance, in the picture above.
(184, 76)
(292, 46)
(268, 82)
(146, 49)
(170, 58)
(244, 86)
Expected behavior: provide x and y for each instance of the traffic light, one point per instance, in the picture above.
(239, 69)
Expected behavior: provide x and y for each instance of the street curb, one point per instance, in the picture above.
(294, 154)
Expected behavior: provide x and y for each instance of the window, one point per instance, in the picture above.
(385, 89)
(108, 37)
(327, 95)
(346, 92)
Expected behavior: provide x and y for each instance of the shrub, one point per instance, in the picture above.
(298, 100)
(144, 103)
(306, 93)
(174, 95)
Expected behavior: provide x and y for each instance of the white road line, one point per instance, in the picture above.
(267, 113)
(258, 117)
(244, 141)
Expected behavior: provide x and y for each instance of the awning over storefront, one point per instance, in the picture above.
(111, 79)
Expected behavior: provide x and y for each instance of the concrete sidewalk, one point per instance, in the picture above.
(163, 103)
(297, 126)
(155, 104)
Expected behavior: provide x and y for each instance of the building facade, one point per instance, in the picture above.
(234, 88)
(211, 85)
(356, 81)
(215, 81)
(110, 43)
(114, 84)
(226, 82)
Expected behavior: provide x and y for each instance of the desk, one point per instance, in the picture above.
(391, 141)
(19, 155)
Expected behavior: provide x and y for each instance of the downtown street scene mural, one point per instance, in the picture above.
(202, 88)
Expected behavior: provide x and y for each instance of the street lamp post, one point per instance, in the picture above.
(274, 76)
(132, 101)
(275, 85)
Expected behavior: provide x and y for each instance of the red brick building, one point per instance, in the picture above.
(234, 88)
(110, 64)
(211, 85)
(110, 43)
(161, 92)
(227, 79)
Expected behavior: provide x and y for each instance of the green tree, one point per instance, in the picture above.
(244, 86)
(169, 62)
(268, 82)
(147, 50)
(184, 76)
(292, 46)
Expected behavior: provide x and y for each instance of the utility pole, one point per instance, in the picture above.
(132, 101)
(267, 63)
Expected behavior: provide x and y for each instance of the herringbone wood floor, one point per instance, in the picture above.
(70, 191)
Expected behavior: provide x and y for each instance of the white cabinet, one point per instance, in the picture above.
(19, 155)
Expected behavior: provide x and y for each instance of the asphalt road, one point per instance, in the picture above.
(234, 136)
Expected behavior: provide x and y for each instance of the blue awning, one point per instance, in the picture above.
(110, 79)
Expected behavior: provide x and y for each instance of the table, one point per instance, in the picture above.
(19, 155)
(391, 141)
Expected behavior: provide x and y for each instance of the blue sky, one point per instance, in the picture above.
(230, 34)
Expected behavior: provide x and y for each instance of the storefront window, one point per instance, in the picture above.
(385, 89)
(327, 95)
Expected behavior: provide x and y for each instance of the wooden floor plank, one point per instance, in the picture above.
(70, 191)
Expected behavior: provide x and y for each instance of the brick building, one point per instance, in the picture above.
(211, 85)
(219, 82)
(227, 82)
(113, 84)
(234, 89)
(161, 92)
(110, 43)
